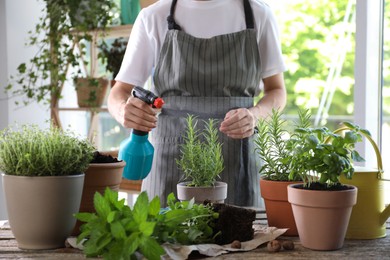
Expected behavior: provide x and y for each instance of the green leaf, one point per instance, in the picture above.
(85, 216)
(151, 249)
(154, 206)
(117, 230)
(147, 228)
(111, 216)
(141, 208)
(131, 243)
(350, 137)
(102, 206)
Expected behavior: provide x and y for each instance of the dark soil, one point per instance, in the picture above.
(103, 158)
(324, 186)
(234, 223)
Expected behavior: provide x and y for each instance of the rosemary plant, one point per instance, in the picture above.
(201, 153)
(272, 145)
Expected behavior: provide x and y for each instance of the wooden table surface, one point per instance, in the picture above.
(353, 249)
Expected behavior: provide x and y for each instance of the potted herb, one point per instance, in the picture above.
(148, 229)
(272, 142)
(201, 162)
(322, 205)
(88, 19)
(143, 228)
(43, 175)
(43, 77)
(113, 56)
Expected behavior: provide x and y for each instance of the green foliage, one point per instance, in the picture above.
(320, 155)
(310, 34)
(271, 146)
(114, 55)
(91, 14)
(41, 79)
(201, 153)
(116, 231)
(30, 151)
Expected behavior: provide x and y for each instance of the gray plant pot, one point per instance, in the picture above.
(215, 194)
(40, 209)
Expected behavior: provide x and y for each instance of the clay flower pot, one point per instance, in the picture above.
(322, 216)
(98, 177)
(277, 207)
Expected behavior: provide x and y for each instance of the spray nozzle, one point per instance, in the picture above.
(148, 97)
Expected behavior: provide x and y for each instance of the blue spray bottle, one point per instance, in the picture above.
(136, 150)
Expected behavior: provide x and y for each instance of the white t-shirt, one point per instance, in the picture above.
(202, 19)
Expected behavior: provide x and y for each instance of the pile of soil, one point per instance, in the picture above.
(324, 186)
(234, 223)
(103, 158)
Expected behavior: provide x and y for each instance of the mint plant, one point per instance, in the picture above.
(201, 157)
(117, 231)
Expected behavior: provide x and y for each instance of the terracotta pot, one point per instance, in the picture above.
(91, 91)
(98, 177)
(216, 194)
(321, 216)
(277, 207)
(41, 209)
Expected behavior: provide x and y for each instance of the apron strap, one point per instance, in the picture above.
(248, 15)
(249, 21)
(171, 20)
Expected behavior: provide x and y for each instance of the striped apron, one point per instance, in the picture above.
(207, 78)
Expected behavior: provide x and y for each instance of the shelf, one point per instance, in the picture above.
(93, 109)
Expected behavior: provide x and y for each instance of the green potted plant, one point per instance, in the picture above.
(43, 175)
(89, 19)
(42, 78)
(322, 205)
(271, 143)
(201, 162)
(113, 56)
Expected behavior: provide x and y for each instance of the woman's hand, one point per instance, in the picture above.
(129, 111)
(238, 123)
(138, 115)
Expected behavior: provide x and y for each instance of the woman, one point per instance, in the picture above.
(208, 58)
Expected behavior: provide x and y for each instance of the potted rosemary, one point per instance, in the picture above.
(201, 162)
(43, 176)
(272, 142)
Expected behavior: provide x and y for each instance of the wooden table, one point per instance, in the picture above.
(353, 249)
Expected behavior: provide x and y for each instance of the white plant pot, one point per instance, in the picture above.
(215, 194)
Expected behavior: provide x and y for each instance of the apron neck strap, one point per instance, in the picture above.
(172, 25)
(171, 20)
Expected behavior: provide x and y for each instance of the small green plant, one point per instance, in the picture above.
(272, 142)
(117, 231)
(31, 151)
(318, 155)
(113, 55)
(201, 154)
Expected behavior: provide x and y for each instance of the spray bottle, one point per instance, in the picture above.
(136, 150)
